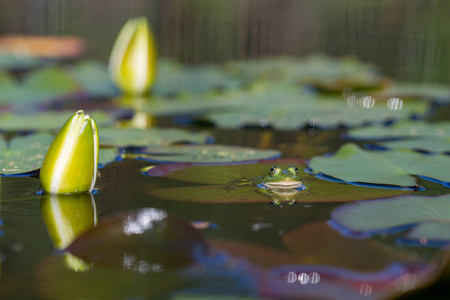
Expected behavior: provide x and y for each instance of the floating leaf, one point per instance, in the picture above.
(107, 155)
(125, 137)
(24, 154)
(352, 164)
(218, 176)
(92, 76)
(287, 109)
(401, 130)
(372, 217)
(173, 78)
(146, 237)
(432, 91)
(14, 62)
(318, 243)
(208, 154)
(43, 121)
(432, 145)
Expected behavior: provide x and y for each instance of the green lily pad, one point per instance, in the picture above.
(8, 87)
(44, 121)
(126, 137)
(207, 154)
(326, 73)
(45, 85)
(218, 176)
(287, 108)
(173, 78)
(24, 154)
(431, 91)
(352, 164)
(401, 130)
(12, 62)
(430, 214)
(433, 145)
(93, 78)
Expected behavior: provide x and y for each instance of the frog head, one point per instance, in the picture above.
(279, 178)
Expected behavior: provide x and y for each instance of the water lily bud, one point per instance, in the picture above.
(132, 65)
(70, 165)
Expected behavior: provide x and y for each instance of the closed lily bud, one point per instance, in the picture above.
(132, 65)
(70, 165)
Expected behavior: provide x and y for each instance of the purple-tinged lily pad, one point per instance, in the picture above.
(428, 216)
(217, 177)
(146, 238)
(318, 243)
(353, 164)
(207, 154)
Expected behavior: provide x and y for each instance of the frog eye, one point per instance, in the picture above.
(274, 171)
(293, 169)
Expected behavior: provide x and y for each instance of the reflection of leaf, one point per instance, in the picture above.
(318, 243)
(353, 164)
(317, 190)
(430, 214)
(402, 129)
(146, 238)
(123, 137)
(208, 154)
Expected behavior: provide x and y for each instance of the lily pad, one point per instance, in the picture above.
(173, 78)
(12, 62)
(288, 109)
(24, 154)
(352, 164)
(431, 145)
(92, 76)
(405, 129)
(432, 91)
(218, 176)
(127, 137)
(44, 121)
(208, 154)
(429, 215)
(318, 243)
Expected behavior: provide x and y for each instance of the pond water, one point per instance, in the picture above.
(248, 240)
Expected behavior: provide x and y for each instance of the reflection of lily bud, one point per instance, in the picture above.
(70, 165)
(132, 63)
(66, 217)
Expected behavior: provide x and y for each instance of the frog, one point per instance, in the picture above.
(278, 184)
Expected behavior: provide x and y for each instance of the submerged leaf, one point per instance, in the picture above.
(353, 164)
(430, 214)
(208, 154)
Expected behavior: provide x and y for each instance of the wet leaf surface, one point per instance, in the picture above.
(352, 164)
(207, 154)
(426, 215)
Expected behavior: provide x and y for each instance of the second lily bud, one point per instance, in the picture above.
(132, 64)
(70, 165)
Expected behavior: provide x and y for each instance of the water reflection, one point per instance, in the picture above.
(144, 240)
(280, 196)
(66, 217)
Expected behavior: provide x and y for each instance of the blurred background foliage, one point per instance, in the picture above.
(407, 39)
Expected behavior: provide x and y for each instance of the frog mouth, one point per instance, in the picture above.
(283, 185)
